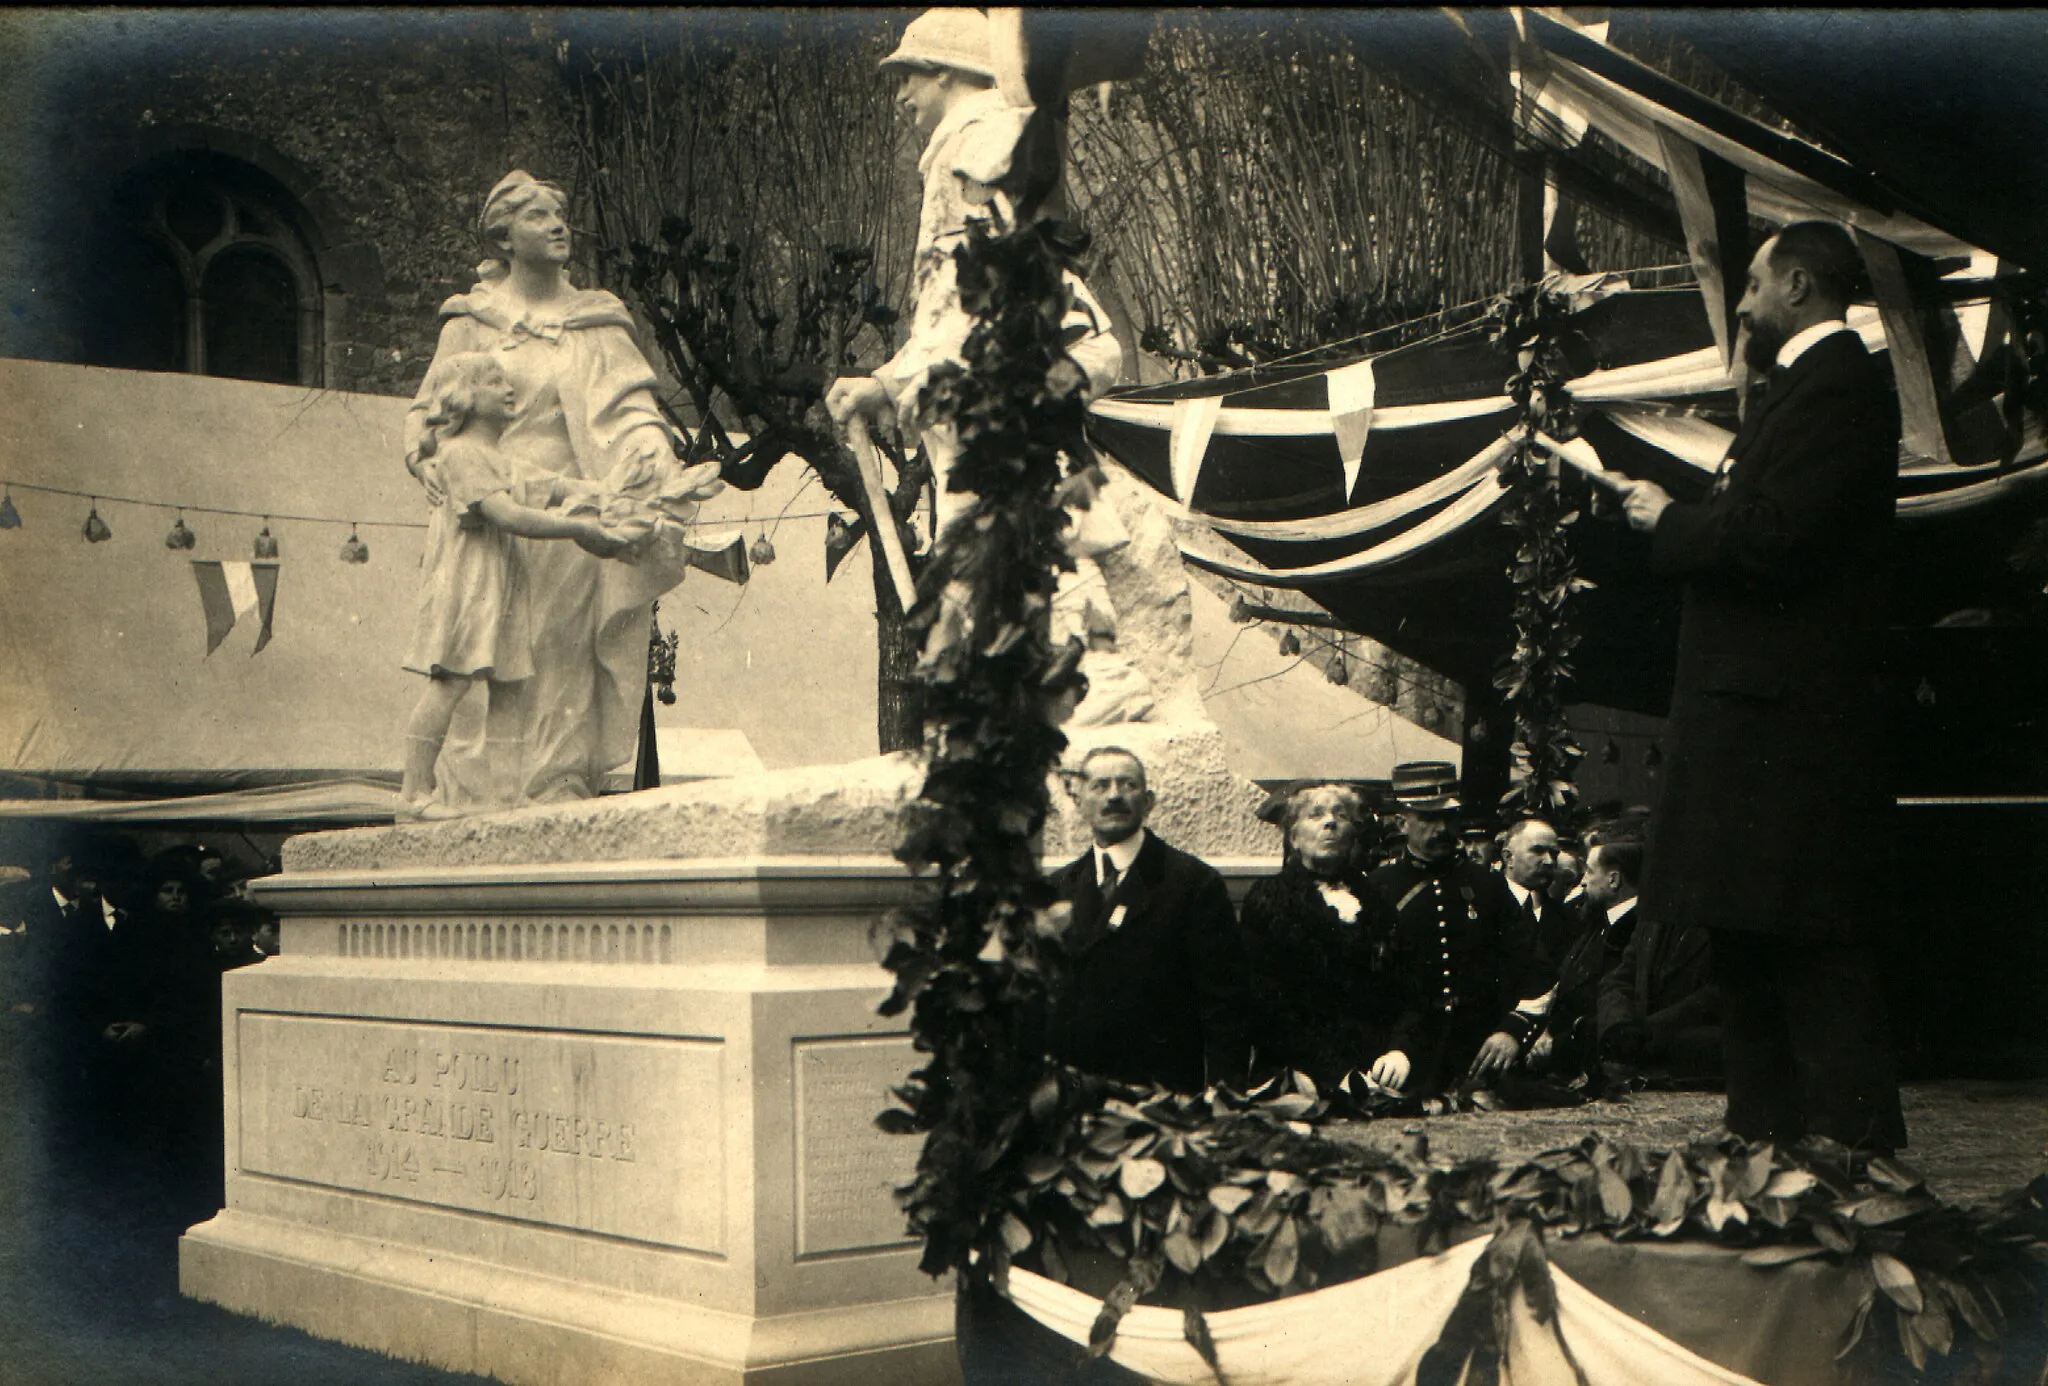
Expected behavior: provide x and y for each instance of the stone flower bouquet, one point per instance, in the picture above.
(655, 514)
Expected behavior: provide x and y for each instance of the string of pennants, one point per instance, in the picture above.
(1645, 400)
(232, 591)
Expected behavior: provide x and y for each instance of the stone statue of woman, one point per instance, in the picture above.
(584, 410)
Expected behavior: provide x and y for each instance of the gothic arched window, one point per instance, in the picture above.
(208, 273)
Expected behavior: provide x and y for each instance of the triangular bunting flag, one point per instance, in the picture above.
(1193, 421)
(265, 575)
(841, 537)
(1351, 395)
(214, 600)
(728, 562)
(228, 591)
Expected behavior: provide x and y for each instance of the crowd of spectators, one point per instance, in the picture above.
(1406, 957)
(110, 969)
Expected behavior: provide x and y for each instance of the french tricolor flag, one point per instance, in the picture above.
(228, 591)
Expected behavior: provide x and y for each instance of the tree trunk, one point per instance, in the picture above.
(899, 704)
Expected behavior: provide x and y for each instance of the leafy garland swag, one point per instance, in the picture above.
(1225, 1197)
(1531, 323)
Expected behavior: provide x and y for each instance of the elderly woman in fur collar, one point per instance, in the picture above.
(1317, 935)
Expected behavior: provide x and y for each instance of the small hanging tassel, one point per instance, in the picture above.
(266, 547)
(180, 537)
(96, 531)
(10, 518)
(763, 552)
(353, 549)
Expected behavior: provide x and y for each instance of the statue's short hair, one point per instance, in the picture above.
(1828, 254)
(451, 395)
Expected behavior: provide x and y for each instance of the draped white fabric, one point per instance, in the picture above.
(1776, 192)
(1373, 1331)
(1686, 437)
(1346, 524)
(1474, 503)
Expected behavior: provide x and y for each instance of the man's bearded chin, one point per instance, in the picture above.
(1760, 347)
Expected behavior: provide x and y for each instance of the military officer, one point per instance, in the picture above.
(1468, 972)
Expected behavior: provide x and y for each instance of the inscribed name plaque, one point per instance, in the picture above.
(619, 1135)
(846, 1168)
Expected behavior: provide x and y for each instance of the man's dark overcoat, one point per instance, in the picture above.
(1777, 799)
(1160, 995)
(1664, 982)
(1581, 974)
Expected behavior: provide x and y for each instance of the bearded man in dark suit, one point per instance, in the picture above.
(1156, 987)
(1774, 832)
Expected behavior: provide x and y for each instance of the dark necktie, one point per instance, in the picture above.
(1109, 877)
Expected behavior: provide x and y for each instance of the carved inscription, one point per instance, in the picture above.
(845, 1167)
(608, 1134)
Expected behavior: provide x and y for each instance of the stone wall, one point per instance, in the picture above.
(386, 128)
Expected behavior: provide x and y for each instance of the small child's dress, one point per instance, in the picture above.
(475, 614)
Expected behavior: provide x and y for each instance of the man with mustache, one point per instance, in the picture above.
(1470, 977)
(1774, 832)
(1155, 990)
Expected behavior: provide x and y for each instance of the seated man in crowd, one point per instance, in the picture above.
(1569, 1046)
(1529, 862)
(1318, 938)
(1466, 966)
(1659, 1007)
(1568, 880)
(1155, 990)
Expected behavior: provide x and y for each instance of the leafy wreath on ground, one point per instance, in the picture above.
(1226, 1195)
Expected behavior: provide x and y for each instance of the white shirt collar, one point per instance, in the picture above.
(1121, 854)
(1797, 347)
(1616, 912)
(1521, 892)
(65, 902)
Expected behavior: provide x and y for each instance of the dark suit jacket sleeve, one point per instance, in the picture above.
(1701, 1006)
(1618, 985)
(1219, 968)
(1829, 453)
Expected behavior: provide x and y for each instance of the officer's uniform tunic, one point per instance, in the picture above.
(1463, 958)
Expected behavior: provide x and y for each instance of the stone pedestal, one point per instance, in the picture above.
(585, 1094)
(580, 1121)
